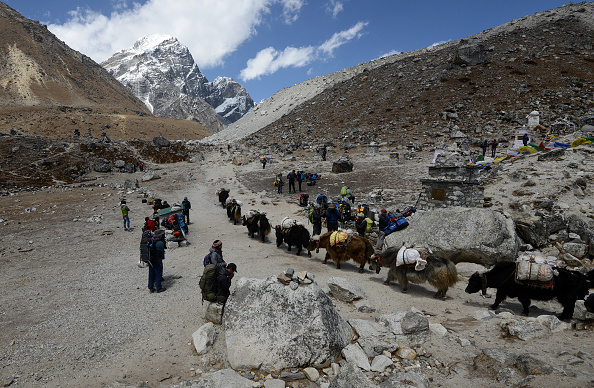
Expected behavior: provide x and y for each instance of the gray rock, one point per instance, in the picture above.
(128, 168)
(350, 376)
(131, 183)
(438, 330)
(416, 328)
(524, 330)
(345, 290)
(406, 379)
(380, 363)
(580, 312)
(160, 141)
(472, 54)
(274, 383)
(506, 375)
(260, 314)
(488, 236)
(102, 165)
(536, 230)
(214, 311)
(393, 321)
(552, 323)
(354, 354)
(364, 306)
(551, 155)
(575, 249)
(571, 260)
(343, 164)
(531, 365)
(224, 378)
(150, 175)
(119, 163)
(204, 337)
(374, 337)
(312, 374)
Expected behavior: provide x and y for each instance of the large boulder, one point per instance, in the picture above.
(271, 326)
(471, 54)
(460, 234)
(102, 165)
(535, 229)
(343, 164)
(160, 141)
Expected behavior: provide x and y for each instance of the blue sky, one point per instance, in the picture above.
(267, 45)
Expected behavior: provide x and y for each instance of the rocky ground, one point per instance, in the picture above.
(76, 311)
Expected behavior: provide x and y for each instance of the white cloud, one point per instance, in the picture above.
(342, 37)
(391, 52)
(335, 7)
(291, 9)
(441, 42)
(210, 29)
(269, 60)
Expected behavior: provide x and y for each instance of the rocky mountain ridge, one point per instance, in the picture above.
(482, 86)
(161, 72)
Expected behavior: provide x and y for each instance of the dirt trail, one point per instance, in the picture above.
(76, 310)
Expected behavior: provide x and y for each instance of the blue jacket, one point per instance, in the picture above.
(332, 215)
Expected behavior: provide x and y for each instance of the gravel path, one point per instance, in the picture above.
(76, 311)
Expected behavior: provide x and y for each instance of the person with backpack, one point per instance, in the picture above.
(224, 283)
(494, 145)
(384, 221)
(279, 183)
(215, 254)
(361, 224)
(484, 146)
(300, 178)
(156, 257)
(149, 224)
(332, 216)
(186, 206)
(125, 209)
(291, 178)
(316, 220)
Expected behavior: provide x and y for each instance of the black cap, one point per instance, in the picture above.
(232, 267)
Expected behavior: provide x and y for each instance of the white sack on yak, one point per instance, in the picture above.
(410, 256)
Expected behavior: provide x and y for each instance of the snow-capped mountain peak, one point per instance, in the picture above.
(162, 73)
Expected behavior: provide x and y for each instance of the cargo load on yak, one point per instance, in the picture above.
(534, 269)
(409, 256)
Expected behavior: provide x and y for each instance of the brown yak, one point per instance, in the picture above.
(357, 248)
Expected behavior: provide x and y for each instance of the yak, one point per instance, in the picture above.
(355, 247)
(223, 195)
(234, 212)
(258, 223)
(440, 272)
(568, 286)
(296, 235)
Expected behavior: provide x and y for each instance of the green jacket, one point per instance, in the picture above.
(125, 210)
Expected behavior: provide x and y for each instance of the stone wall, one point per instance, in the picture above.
(437, 193)
(466, 173)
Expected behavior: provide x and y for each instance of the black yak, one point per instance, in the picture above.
(234, 212)
(223, 195)
(257, 223)
(568, 286)
(440, 272)
(296, 235)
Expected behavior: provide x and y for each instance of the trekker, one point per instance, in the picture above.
(361, 224)
(224, 283)
(332, 216)
(300, 178)
(384, 221)
(155, 276)
(525, 139)
(494, 147)
(216, 253)
(349, 195)
(324, 152)
(316, 220)
(186, 210)
(149, 224)
(279, 183)
(484, 146)
(125, 209)
(263, 163)
(291, 178)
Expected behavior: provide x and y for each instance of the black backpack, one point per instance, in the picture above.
(152, 249)
(208, 283)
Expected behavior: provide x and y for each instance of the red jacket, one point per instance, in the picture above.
(150, 225)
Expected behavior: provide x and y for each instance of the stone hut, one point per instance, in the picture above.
(452, 183)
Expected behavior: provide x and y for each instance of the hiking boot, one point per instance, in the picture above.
(151, 290)
(161, 289)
